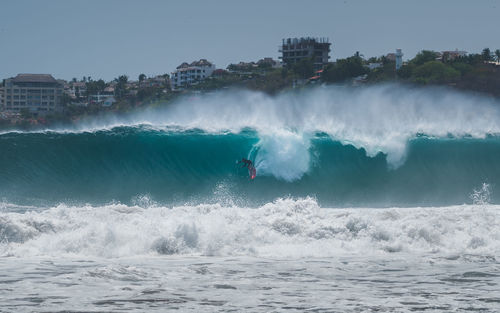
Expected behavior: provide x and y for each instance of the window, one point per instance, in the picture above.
(23, 90)
(23, 97)
(16, 97)
(16, 90)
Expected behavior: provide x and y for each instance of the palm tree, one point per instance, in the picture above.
(486, 54)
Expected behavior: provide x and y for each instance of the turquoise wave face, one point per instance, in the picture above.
(127, 164)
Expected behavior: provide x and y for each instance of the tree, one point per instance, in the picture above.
(304, 68)
(497, 54)
(424, 56)
(435, 72)
(486, 54)
(344, 69)
(142, 77)
(121, 84)
(95, 87)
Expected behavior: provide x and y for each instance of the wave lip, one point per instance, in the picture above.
(285, 228)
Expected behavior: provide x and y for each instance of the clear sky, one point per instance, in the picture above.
(104, 39)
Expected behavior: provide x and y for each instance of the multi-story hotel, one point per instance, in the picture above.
(296, 49)
(190, 74)
(39, 93)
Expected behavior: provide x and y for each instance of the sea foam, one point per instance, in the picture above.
(285, 228)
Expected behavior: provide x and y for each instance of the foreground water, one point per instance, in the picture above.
(289, 255)
(379, 199)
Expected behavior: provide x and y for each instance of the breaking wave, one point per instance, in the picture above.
(283, 228)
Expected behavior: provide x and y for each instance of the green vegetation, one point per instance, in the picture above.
(473, 72)
(344, 69)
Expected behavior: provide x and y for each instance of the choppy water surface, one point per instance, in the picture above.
(392, 283)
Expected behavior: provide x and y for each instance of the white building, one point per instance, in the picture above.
(399, 59)
(78, 90)
(191, 74)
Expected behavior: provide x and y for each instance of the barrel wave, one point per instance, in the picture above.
(175, 167)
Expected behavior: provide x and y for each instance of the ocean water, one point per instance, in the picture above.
(376, 199)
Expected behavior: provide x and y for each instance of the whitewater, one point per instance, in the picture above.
(372, 199)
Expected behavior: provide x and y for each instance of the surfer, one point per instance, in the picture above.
(251, 169)
(246, 163)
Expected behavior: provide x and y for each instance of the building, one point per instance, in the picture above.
(191, 74)
(399, 59)
(451, 55)
(78, 90)
(374, 65)
(296, 49)
(269, 62)
(38, 93)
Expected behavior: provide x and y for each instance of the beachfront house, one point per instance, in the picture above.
(191, 74)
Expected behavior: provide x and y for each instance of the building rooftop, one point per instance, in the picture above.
(34, 78)
(183, 65)
(201, 62)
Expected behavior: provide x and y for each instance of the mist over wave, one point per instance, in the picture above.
(379, 118)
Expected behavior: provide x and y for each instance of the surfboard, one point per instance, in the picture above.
(252, 172)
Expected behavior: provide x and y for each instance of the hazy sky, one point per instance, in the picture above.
(107, 38)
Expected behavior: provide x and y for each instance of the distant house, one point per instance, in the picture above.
(109, 101)
(191, 74)
(109, 90)
(374, 65)
(451, 55)
(77, 90)
(270, 62)
(38, 93)
(157, 81)
(102, 100)
(396, 57)
(242, 67)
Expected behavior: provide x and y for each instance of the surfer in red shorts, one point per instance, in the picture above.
(251, 169)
